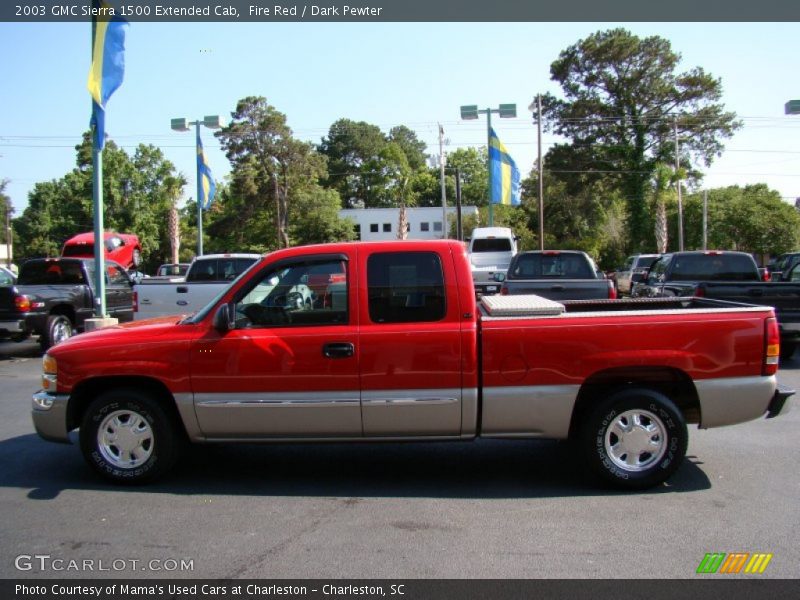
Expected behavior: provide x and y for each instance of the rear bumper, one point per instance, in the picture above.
(780, 402)
(49, 413)
(16, 326)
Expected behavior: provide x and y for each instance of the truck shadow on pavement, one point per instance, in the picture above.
(484, 469)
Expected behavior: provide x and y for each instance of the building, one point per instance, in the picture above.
(424, 223)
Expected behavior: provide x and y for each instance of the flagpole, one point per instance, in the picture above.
(97, 199)
(489, 159)
(199, 192)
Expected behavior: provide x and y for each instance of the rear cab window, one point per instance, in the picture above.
(406, 287)
(714, 267)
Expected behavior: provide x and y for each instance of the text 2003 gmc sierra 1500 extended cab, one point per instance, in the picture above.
(396, 348)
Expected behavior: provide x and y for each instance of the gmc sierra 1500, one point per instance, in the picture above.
(390, 351)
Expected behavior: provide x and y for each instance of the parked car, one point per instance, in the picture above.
(53, 297)
(782, 266)
(490, 251)
(206, 277)
(404, 352)
(633, 271)
(557, 275)
(7, 276)
(725, 275)
(122, 248)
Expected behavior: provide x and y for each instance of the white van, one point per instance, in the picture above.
(490, 252)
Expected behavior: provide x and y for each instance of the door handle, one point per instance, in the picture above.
(338, 350)
(182, 290)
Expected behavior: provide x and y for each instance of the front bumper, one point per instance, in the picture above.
(780, 402)
(49, 413)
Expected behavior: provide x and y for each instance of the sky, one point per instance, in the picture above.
(387, 74)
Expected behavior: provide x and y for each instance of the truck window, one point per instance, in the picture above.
(715, 267)
(297, 294)
(405, 287)
(491, 245)
(552, 266)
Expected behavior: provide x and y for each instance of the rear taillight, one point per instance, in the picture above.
(22, 303)
(135, 301)
(612, 290)
(700, 292)
(772, 347)
(504, 290)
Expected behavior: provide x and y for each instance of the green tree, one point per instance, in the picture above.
(6, 206)
(269, 167)
(353, 148)
(314, 218)
(137, 194)
(752, 219)
(623, 97)
(370, 169)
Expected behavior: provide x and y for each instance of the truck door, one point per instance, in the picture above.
(410, 346)
(289, 367)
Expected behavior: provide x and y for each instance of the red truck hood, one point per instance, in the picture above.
(128, 334)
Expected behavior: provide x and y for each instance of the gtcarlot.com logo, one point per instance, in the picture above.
(734, 563)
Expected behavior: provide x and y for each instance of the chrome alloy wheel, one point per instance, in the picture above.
(125, 439)
(62, 330)
(635, 440)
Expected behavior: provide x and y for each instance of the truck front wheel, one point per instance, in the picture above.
(127, 437)
(636, 439)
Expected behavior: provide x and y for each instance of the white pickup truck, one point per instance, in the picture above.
(207, 276)
(490, 252)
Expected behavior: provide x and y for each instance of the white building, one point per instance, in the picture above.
(382, 223)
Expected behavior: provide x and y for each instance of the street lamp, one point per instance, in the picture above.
(471, 112)
(212, 122)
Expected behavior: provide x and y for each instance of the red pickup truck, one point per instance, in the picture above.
(398, 349)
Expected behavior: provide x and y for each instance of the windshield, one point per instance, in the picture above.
(491, 245)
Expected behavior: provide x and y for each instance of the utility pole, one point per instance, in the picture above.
(705, 219)
(459, 226)
(8, 234)
(678, 184)
(441, 176)
(539, 169)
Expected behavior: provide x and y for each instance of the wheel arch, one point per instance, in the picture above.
(83, 395)
(674, 383)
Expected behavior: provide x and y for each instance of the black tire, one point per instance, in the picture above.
(648, 419)
(787, 351)
(59, 328)
(128, 438)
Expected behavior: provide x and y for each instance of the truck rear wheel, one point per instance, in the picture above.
(128, 438)
(59, 328)
(636, 439)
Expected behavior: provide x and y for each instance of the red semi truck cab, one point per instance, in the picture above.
(396, 348)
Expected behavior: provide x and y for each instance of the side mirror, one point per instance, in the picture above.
(223, 318)
(637, 277)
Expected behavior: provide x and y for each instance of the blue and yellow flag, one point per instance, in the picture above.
(207, 188)
(107, 70)
(505, 175)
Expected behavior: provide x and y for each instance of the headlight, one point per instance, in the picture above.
(49, 373)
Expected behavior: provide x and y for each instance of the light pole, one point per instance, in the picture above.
(536, 107)
(212, 122)
(471, 112)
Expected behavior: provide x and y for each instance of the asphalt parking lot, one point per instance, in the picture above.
(486, 509)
